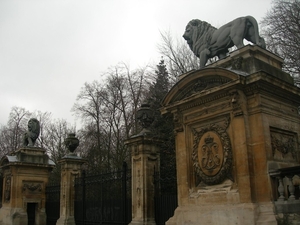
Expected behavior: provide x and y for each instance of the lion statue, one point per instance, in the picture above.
(33, 132)
(207, 41)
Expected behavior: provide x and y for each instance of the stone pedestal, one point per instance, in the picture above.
(144, 161)
(235, 121)
(25, 176)
(70, 169)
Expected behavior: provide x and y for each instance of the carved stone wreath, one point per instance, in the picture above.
(33, 187)
(212, 154)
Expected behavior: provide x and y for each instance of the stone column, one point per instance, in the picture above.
(145, 160)
(70, 169)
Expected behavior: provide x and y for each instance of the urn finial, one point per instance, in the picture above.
(71, 143)
(145, 117)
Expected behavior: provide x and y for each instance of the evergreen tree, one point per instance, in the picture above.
(161, 85)
(163, 128)
(157, 92)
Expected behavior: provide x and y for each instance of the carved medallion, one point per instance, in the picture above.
(212, 154)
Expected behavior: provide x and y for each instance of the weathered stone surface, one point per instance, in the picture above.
(25, 176)
(246, 114)
(144, 161)
(70, 169)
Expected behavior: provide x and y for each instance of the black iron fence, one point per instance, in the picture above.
(52, 203)
(104, 198)
(99, 199)
(165, 199)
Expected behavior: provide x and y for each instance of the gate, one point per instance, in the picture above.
(99, 199)
(165, 199)
(104, 198)
(52, 203)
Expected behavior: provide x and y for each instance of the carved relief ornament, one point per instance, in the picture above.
(7, 188)
(283, 142)
(32, 187)
(178, 122)
(236, 103)
(200, 85)
(212, 154)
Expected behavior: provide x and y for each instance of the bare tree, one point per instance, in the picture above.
(54, 135)
(88, 108)
(281, 29)
(11, 135)
(178, 57)
(108, 112)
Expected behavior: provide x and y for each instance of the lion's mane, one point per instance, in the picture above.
(33, 132)
(202, 33)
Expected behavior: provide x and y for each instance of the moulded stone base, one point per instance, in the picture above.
(18, 216)
(141, 222)
(66, 221)
(225, 214)
(13, 216)
(266, 214)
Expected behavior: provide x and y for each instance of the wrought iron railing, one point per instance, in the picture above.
(103, 198)
(52, 203)
(99, 199)
(165, 199)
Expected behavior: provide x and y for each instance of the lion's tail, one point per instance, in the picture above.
(258, 40)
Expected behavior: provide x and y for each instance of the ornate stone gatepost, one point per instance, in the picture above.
(145, 160)
(70, 169)
(236, 121)
(25, 176)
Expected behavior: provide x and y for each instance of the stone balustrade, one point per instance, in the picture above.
(286, 192)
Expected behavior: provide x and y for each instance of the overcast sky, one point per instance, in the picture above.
(50, 48)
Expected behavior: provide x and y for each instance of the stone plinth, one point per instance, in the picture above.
(70, 169)
(144, 161)
(235, 121)
(25, 176)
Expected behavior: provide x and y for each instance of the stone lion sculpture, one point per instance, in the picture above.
(207, 41)
(33, 132)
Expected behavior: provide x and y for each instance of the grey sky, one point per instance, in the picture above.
(49, 48)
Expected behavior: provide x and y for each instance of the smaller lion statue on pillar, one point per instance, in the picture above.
(32, 134)
(207, 41)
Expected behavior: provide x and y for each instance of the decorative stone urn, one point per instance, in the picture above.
(71, 143)
(145, 117)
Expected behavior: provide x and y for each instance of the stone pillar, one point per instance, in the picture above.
(144, 161)
(25, 177)
(70, 169)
